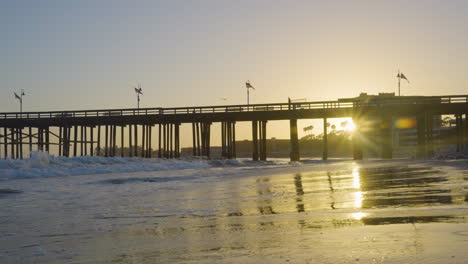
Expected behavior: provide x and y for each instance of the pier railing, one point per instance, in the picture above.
(341, 103)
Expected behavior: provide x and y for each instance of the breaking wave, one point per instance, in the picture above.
(42, 164)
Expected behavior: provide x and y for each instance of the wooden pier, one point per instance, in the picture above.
(95, 132)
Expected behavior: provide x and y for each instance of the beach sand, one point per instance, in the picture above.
(313, 212)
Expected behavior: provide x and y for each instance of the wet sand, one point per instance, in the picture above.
(334, 212)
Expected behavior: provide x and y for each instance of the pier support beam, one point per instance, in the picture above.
(325, 139)
(86, 141)
(81, 141)
(130, 145)
(177, 141)
(357, 140)
(40, 134)
(14, 138)
(259, 140)
(459, 132)
(1, 143)
(255, 155)
(429, 135)
(146, 141)
(143, 141)
(106, 140)
(294, 140)
(201, 133)
(122, 145)
(386, 137)
(65, 141)
(30, 140)
(111, 141)
(68, 138)
(165, 145)
(223, 140)
(194, 140)
(60, 141)
(228, 139)
(47, 139)
(263, 141)
(205, 133)
(63, 145)
(465, 132)
(421, 133)
(5, 141)
(169, 140)
(114, 140)
(20, 142)
(99, 150)
(91, 148)
(15, 145)
(135, 142)
(196, 144)
(13, 142)
(75, 141)
(166, 141)
(160, 131)
(150, 142)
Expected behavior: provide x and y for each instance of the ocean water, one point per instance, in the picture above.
(114, 210)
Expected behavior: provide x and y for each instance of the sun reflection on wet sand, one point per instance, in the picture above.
(358, 198)
(356, 178)
(358, 215)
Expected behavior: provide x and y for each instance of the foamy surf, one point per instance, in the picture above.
(41, 164)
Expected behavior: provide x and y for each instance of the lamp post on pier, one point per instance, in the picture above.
(248, 86)
(138, 91)
(20, 98)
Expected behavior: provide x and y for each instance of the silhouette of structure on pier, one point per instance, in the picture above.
(94, 132)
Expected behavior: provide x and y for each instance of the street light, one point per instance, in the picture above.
(20, 98)
(138, 91)
(248, 86)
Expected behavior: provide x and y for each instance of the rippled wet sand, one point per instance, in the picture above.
(335, 212)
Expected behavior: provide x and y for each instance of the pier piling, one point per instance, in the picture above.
(325, 139)
(294, 140)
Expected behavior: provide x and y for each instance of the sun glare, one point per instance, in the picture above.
(349, 126)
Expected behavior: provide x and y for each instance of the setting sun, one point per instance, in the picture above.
(349, 126)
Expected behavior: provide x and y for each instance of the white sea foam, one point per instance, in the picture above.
(42, 164)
